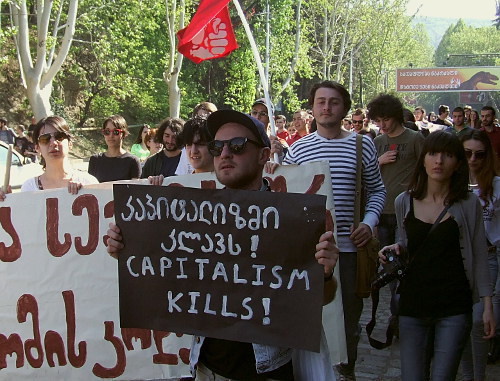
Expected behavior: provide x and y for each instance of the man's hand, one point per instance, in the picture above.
(327, 253)
(388, 157)
(276, 146)
(115, 244)
(74, 187)
(270, 167)
(361, 235)
(156, 180)
(3, 194)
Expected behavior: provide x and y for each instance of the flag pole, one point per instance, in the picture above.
(260, 67)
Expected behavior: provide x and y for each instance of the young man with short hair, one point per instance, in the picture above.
(330, 103)
(442, 118)
(358, 119)
(195, 136)
(488, 125)
(398, 149)
(459, 128)
(280, 122)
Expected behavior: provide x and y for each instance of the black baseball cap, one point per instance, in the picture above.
(216, 119)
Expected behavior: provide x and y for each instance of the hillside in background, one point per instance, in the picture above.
(437, 26)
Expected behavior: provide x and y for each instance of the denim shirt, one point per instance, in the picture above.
(267, 358)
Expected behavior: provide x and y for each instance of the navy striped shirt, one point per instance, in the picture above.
(341, 155)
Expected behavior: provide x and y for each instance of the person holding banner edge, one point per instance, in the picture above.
(240, 149)
(53, 141)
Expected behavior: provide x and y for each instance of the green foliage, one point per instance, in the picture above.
(467, 40)
(121, 47)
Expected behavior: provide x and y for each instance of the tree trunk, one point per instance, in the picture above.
(39, 98)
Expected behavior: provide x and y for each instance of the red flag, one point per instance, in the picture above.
(210, 33)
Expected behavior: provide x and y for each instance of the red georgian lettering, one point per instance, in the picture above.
(121, 360)
(184, 355)
(144, 335)
(77, 360)
(56, 248)
(109, 211)
(27, 304)
(208, 184)
(54, 345)
(13, 252)
(89, 202)
(9, 346)
(162, 357)
(316, 184)
(278, 184)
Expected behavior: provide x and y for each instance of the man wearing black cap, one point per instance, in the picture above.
(260, 111)
(240, 149)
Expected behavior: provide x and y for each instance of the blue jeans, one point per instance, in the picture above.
(449, 335)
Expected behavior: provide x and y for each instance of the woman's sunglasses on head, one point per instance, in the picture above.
(58, 135)
(115, 132)
(235, 145)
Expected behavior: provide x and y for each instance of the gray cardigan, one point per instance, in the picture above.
(469, 217)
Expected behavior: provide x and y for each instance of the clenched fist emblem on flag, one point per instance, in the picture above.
(209, 35)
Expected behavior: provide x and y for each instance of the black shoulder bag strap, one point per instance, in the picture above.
(389, 334)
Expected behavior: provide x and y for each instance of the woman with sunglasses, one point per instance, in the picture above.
(53, 141)
(140, 147)
(116, 163)
(441, 234)
(485, 183)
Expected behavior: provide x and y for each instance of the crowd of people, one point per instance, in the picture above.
(432, 197)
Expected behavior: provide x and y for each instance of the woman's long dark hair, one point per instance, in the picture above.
(488, 168)
(138, 140)
(440, 141)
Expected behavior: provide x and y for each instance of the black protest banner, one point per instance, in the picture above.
(229, 264)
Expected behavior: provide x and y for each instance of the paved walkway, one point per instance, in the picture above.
(384, 365)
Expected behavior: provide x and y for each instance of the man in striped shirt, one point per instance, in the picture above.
(330, 103)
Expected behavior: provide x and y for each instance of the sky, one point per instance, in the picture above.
(470, 9)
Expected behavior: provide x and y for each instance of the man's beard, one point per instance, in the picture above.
(170, 147)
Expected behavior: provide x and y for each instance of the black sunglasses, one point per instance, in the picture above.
(235, 145)
(115, 132)
(479, 155)
(58, 135)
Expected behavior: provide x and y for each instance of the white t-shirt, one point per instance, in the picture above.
(184, 168)
(78, 176)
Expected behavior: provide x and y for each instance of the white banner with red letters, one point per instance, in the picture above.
(59, 287)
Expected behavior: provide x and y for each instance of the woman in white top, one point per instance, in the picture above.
(53, 141)
(485, 183)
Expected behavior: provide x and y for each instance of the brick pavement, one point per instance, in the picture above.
(384, 365)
